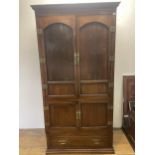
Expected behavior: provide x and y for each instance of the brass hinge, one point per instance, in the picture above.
(110, 84)
(42, 60)
(44, 86)
(109, 122)
(76, 59)
(78, 115)
(47, 124)
(46, 107)
(112, 28)
(111, 58)
(110, 107)
(39, 31)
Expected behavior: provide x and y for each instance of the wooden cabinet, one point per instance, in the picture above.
(76, 49)
(129, 108)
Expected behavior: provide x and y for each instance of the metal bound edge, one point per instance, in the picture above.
(39, 31)
(42, 60)
(110, 107)
(110, 84)
(112, 28)
(47, 124)
(111, 58)
(44, 86)
(109, 122)
(46, 107)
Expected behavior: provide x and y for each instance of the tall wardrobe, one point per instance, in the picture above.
(76, 52)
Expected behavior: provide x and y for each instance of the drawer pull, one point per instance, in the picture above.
(62, 141)
(125, 116)
(96, 141)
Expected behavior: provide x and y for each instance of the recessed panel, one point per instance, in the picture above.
(62, 115)
(93, 88)
(59, 52)
(61, 89)
(93, 40)
(94, 114)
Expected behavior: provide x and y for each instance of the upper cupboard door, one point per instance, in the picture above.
(93, 49)
(59, 51)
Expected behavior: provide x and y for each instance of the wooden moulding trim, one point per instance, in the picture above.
(93, 81)
(60, 82)
(105, 150)
(60, 96)
(75, 8)
(102, 95)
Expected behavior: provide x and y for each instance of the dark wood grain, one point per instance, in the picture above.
(61, 89)
(76, 50)
(129, 114)
(128, 92)
(93, 114)
(62, 115)
(93, 51)
(59, 52)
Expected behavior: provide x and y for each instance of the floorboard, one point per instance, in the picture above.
(32, 142)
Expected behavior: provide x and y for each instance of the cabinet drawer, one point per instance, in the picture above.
(80, 142)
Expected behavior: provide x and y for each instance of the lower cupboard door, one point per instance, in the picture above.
(61, 115)
(94, 114)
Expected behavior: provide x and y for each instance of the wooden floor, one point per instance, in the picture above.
(32, 142)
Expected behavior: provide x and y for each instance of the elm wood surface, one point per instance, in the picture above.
(76, 49)
(59, 52)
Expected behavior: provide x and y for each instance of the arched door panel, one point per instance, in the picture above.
(93, 50)
(59, 53)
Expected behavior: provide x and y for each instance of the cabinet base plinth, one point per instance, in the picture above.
(70, 151)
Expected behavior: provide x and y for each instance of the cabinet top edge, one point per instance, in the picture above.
(75, 8)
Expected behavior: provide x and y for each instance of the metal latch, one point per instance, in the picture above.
(42, 60)
(111, 58)
(112, 28)
(44, 86)
(110, 84)
(78, 115)
(39, 31)
(76, 58)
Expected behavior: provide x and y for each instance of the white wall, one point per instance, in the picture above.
(125, 54)
(31, 109)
